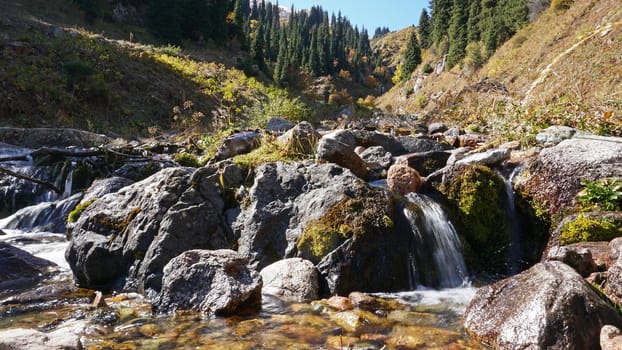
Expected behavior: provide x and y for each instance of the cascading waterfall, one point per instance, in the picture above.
(436, 242)
(514, 231)
(39, 226)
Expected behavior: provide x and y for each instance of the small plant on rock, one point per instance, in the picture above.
(605, 194)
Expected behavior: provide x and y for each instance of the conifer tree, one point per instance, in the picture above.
(457, 32)
(412, 56)
(473, 23)
(425, 29)
(441, 15)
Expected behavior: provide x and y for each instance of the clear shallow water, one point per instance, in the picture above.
(419, 319)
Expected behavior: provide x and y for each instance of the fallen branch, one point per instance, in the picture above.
(65, 153)
(13, 158)
(31, 179)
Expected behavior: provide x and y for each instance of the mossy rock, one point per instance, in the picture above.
(477, 197)
(590, 227)
(369, 212)
(75, 214)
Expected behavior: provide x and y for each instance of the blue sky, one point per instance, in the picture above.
(395, 14)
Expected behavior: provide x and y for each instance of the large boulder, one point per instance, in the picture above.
(20, 269)
(323, 212)
(331, 150)
(553, 178)
(427, 163)
(338, 147)
(217, 282)
(478, 200)
(123, 240)
(549, 306)
(292, 279)
(283, 198)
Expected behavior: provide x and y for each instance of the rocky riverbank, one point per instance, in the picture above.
(224, 238)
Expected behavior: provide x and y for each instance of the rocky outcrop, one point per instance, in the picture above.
(20, 269)
(325, 214)
(549, 306)
(217, 282)
(553, 178)
(124, 239)
(282, 200)
(478, 199)
(291, 280)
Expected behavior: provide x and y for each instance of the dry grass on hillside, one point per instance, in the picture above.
(564, 68)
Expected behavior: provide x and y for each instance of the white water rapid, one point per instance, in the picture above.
(437, 244)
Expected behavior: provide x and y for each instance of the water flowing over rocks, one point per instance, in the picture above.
(549, 306)
(123, 240)
(292, 279)
(213, 282)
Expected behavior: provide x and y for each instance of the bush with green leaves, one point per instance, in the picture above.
(604, 194)
(187, 159)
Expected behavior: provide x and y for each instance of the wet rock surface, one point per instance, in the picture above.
(217, 282)
(291, 279)
(20, 269)
(124, 239)
(547, 306)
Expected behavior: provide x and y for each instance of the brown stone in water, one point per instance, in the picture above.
(403, 179)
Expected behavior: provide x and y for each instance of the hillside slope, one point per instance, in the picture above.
(564, 68)
(58, 71)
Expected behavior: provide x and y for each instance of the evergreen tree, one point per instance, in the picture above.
(473, 23)
(425, 29)
(441, 16)
(457, 32)
(412, 56)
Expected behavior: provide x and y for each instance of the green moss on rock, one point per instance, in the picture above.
(370, 212)
(74, 215)
(589, 229)
(477, 195)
